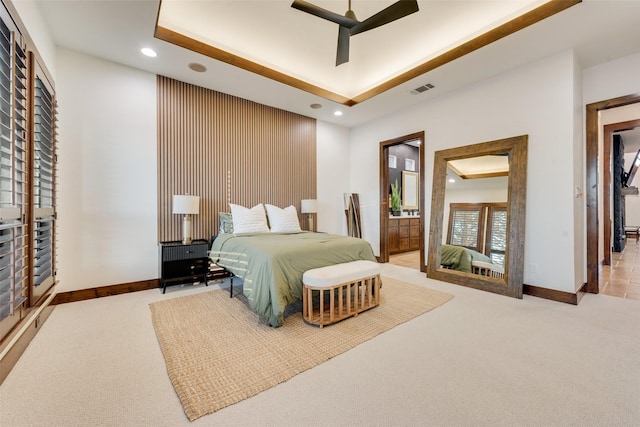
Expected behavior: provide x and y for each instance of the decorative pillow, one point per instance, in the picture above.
(283, 220)
(226, 223)
(249, 220)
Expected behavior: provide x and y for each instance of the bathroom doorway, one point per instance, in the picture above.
(402, 223)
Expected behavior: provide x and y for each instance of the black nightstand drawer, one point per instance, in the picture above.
(183, 263)
(175, 253)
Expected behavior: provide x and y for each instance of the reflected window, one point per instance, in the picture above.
(497, 234)
(465, 229)
(481, 227)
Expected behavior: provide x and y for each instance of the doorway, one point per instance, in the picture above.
(591, 191)
(608, 135)
(417, 140)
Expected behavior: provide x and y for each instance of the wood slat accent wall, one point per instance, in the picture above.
(228, 150)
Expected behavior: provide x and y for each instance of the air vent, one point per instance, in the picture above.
(422, 88)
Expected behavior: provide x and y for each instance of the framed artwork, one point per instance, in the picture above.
(392, 161)
(410, 165)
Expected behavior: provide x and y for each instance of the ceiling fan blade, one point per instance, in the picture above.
(398, 10)
(342, 54)
(323, 13)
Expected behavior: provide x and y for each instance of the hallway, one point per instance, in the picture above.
(622, 277)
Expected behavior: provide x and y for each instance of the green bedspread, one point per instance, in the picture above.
(272, 264)
(459, 258)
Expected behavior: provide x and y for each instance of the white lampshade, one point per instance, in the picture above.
(185, 204)
(309, 206)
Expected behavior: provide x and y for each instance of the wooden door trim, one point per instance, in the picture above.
(591, 191)
(384, 199)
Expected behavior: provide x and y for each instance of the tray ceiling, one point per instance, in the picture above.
(277, 41)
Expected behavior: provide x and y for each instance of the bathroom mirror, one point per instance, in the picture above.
(410, 190)
(515, 150)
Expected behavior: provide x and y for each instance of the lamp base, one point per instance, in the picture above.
(186, 230)
(310, 221)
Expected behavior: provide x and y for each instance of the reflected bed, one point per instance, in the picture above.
(460, 258)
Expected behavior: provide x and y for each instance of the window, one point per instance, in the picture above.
(27, 177)
(496, 242)
(465, 228)
(481, 227)
(13, 176)
(43, 186)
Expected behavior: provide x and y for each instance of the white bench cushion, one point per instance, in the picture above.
(336, 274)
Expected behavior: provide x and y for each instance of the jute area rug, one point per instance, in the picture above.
(219, 353)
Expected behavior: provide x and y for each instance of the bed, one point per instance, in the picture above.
(460, 258)
(271, 264)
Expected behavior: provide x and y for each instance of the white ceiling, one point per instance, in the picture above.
(598, 31)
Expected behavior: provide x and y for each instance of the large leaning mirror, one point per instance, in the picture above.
(480, 242)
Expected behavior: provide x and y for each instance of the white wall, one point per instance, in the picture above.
(333, 176)
(107, 186)
(537, 100)
(612, 79)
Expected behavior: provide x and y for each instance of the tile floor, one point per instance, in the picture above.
(621, 279)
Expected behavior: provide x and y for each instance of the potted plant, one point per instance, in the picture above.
(396, 207)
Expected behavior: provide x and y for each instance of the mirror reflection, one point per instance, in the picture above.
(477, 216)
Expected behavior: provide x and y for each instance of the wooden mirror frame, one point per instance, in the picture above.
(511, 285)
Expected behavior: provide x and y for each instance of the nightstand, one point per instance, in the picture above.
(180, 263)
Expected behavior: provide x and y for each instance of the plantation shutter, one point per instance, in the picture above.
(44, 132)
(497, 240)
(13, 173)
(466, 226)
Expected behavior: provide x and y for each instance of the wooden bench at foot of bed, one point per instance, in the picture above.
(344, 290)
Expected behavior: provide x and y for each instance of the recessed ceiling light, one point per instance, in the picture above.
(315, 106)
(452, 180)
(197, 67)
(337, 113)
(148, 52)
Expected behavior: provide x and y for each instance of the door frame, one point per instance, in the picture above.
(384, 194)
(591, 190)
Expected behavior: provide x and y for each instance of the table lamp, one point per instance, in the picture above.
(186, 205)
(309, 206)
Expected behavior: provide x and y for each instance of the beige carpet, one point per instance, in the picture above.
(218, 352)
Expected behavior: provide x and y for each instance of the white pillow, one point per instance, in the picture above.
(283, 220)
(249, 220)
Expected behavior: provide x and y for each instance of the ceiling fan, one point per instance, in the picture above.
(349, 24)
